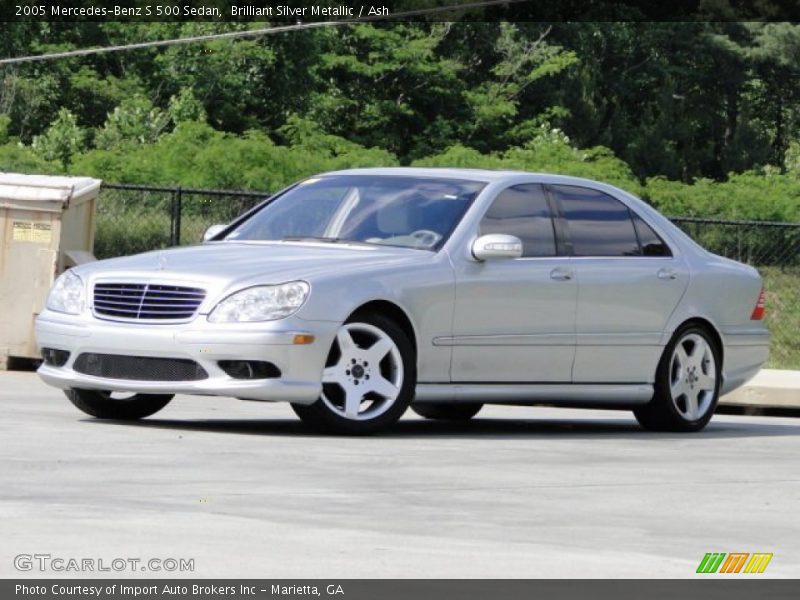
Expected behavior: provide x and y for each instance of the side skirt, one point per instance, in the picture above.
(599, 394)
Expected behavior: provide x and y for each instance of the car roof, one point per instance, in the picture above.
(485, 175)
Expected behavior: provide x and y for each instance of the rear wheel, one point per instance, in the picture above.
(368, 381)
(110, 405)
(687, 383)
(446, 412)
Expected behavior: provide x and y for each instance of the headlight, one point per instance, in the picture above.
(67, 294)
(262, 303)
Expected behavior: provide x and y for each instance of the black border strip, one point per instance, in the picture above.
(514, 10)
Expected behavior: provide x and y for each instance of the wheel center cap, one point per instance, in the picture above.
(692, 377)
(358, 371)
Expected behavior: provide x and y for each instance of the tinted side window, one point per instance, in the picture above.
(522, 211)
(651, 244)
(598, 224)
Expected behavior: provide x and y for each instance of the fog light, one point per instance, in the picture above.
(55, 358)
(249, 369)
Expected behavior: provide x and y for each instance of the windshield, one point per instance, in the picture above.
(413, 212)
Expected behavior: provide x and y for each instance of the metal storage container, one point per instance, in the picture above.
(46, 226)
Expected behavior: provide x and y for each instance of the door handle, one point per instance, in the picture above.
(560, 275)
(667, 274)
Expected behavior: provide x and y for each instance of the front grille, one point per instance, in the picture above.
(146, 301)
(139, 368)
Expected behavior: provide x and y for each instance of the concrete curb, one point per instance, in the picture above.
(771, 388)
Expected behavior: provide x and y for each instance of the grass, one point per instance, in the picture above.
(782, 287)
(129, 222)
(143, 230)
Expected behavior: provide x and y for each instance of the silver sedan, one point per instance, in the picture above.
(356, 294)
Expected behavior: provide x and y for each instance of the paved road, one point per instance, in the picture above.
(244, 490)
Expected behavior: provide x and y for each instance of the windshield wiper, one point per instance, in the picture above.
(316, 238)
(322, 238)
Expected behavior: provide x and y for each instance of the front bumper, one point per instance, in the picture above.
(206, 343)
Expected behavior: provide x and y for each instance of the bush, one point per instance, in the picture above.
(196, 155)
(548, 151)
(767, 196)
(16, 158)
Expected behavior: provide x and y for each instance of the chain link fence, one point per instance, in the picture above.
(136, 218)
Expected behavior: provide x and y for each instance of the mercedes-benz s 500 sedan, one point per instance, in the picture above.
(355, 294)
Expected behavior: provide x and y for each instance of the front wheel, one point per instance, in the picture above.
(107, 405)
(687, 384)
(368, 381)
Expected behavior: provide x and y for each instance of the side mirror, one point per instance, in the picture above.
(497, 245)
(213, 232)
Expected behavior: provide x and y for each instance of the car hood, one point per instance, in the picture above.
(241, 262)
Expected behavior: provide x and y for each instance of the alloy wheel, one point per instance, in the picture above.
(692, 377)
(364, 373)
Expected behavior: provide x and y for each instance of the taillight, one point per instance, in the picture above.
(758, 311)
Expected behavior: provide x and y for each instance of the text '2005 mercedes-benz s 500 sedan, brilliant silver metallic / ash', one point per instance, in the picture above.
(356, 294)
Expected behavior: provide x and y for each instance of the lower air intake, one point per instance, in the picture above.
(139, 368)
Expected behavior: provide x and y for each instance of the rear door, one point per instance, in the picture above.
(514, 319)
(629, 283)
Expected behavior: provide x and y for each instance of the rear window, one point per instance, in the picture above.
(598, 224)
(651, 243)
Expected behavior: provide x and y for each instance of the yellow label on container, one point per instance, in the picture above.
(30, 231)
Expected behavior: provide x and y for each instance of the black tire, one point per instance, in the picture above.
(320, 417)
(441, 411)
(101, 405)
(663, 413)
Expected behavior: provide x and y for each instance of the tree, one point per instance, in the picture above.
(135, 120)
(62, 140)
(776, 57)
(184, 106)
(385, 85)
(791, 163)
(495, 103)
(5, 121)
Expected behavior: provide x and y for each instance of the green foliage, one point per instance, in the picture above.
(549, 151)
(782, 287)
(461, 157)
(768, 196)
(792, 161)
(381, 84)
(699, 118)
(196, 155)
(62, 140)
(5, 121)
(124, 229)
(17, 158)
(321, 151)
(184, 106)
(135, 120)
(494, 104)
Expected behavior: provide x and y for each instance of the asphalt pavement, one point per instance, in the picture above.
(244, 490)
